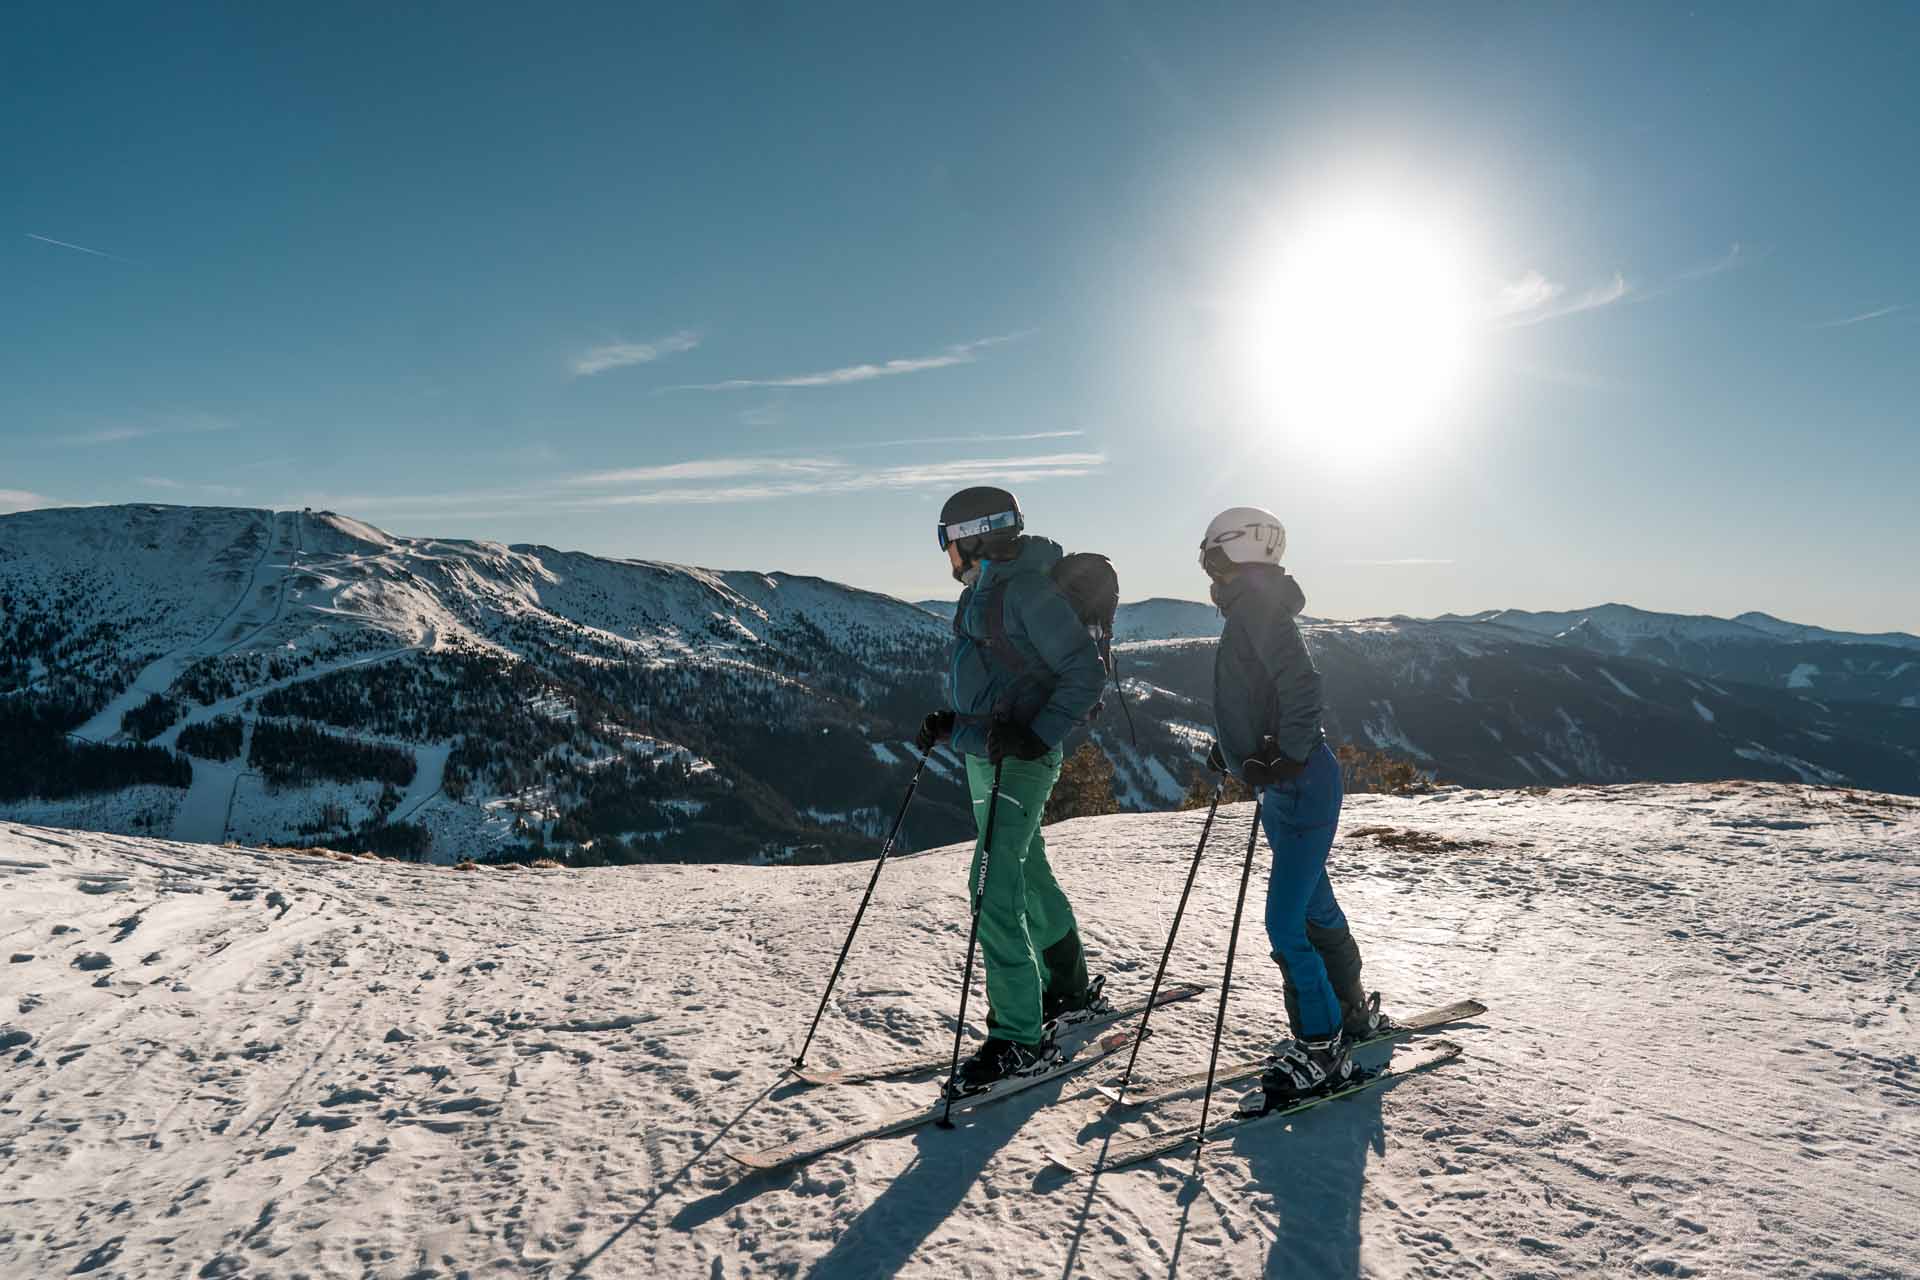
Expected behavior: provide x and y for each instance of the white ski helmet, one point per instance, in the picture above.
(1243, 535)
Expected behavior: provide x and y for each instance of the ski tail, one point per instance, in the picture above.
(928, 1064)
(1138, 1151)
(819, 1144)
(1234, 1072)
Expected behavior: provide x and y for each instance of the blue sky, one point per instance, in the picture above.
(1531, 306)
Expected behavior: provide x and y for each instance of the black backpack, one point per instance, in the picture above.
(1090, 585)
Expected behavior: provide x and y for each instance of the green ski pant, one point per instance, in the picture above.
(1023, 911)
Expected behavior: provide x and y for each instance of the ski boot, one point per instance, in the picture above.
(997, 1060)
(1068, 1012)
(1366, 1023)
(1306, 1068)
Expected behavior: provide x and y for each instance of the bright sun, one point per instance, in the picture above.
(1359, 331)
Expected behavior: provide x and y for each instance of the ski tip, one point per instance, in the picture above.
(1430, 1053)
(810, 1075)
(747, 1159)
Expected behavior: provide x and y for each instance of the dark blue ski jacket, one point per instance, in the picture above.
(1264, 680)
(1062, 676)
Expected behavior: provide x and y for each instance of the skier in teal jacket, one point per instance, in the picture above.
(1024, 672)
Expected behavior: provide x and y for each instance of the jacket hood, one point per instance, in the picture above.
(1262, 581)
(1036, 555)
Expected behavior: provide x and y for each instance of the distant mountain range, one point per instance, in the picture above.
(1155, 619)
(300, 676)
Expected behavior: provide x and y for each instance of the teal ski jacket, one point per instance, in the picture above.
(1264, 680)
(1062, 678)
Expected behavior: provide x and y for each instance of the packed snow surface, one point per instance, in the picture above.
(1699, 1057)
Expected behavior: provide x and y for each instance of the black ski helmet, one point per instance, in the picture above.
(980, 520)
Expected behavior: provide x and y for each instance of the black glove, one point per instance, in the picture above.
(1269, 766)
(1216, 761)
(1005, 738)
(937, 727)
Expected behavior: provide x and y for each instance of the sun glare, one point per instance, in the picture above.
(1359, 332)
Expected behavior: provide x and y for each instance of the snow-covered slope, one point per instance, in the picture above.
(1799, 631)
(1698, 1060)
(1753, 648)
(466, 656)
(1620, 622)
(1163, 619)
(1489, 705)
(466, 698)
(1155, 619)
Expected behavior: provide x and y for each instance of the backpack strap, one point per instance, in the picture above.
(998, 642)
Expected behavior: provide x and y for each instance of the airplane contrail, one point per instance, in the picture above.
(98, 253)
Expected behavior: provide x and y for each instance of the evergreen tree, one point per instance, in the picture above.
(1085, 788)
(1200, 790)
(1363, 772)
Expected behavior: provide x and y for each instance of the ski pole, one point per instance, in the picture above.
(1119, 1095)
(1226, 982)
(913, 785)
(973, 936)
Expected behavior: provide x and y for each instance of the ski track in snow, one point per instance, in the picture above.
(1700, 1058)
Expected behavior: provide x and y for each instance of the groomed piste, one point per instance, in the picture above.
(1698, 1058)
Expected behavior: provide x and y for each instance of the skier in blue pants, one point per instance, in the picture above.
(1267, 713)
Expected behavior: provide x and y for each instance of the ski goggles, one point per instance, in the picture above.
(952, 533)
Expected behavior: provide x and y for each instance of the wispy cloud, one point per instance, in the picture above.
(175, 486)
(834, 477)
(714, 481)
(1735, 256)
(184, 425)
(78, 248)
(962, 353)
(703, 469)
(1864, 316)
(1530, 292)
(1534, 299)
(771, 414)
(23, 500)
(494, 501)
(618, 355)
(974, 439)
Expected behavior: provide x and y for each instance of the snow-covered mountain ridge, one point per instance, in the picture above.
(512, 676)
(1754, 648)
(330, 681)
(1698, 1057)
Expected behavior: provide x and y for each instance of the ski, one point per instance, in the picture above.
(1234, 1072)
(1121, 1154)
(820, 1144)
(926, 1064)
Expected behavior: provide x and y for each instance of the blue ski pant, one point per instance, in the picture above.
(1301, 817)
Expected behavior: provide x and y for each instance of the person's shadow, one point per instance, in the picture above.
(884, 1238)
(1313, 1167)
(1316, 1172)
